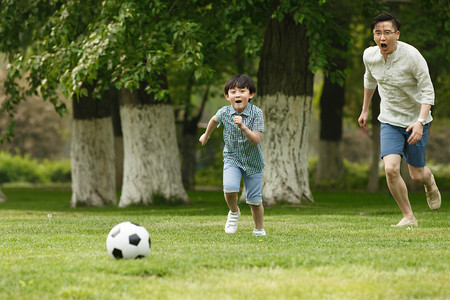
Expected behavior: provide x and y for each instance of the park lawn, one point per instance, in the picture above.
(340, 247)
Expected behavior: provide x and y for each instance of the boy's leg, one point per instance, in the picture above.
(231, 184)
(253, 189)
(232, 201)
(397, 186)
(258, 215)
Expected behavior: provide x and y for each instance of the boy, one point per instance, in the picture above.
(407, 95)
(242, 156)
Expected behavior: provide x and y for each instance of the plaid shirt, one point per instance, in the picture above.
(238, 150)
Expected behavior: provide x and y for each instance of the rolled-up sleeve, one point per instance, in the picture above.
(369, 81)
(421, 73)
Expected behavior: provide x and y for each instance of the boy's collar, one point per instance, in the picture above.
(246, 111)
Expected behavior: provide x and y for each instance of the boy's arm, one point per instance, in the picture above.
(364, 117)
(212, 124)
(253, 136)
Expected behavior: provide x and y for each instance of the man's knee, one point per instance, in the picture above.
(392, 170)
(417, 174)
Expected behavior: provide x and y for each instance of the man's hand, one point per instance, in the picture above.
(417, 132)
(363, 119)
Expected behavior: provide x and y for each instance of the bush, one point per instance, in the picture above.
(19, 169)
(58, 171)
(23, 169)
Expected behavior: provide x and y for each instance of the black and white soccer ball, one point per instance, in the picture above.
(128, 240)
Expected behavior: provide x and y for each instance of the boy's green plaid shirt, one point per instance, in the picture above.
(238, 150)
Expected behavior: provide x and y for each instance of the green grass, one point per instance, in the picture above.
(341, 247)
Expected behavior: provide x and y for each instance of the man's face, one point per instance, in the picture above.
(385, 36)
(239, 98)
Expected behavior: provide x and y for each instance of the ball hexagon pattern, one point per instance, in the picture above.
(128, 240)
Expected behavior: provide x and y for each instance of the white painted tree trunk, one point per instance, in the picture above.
(285, 148)
(151, 156)
(2, 197)
(92, 162)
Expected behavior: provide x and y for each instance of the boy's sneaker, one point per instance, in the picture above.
(259, 232)
(231, 225)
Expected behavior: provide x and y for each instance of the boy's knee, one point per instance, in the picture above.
(257, 202)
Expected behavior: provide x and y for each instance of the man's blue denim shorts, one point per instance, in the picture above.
(232, 175)
(393, 140)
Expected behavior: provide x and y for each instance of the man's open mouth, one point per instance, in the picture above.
(383, 46)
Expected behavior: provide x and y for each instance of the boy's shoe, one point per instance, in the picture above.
(433, 195)
(406, 222)
(259, 232)
(231, 225)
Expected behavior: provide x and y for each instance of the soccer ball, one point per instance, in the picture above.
(128, 240)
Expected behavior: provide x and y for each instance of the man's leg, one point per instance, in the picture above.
(397, 185)
(424, 176)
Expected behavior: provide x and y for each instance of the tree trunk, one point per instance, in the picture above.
(92, 153)
(374, 182)
(113, 96)
(330, 166)
(189, 142)
(2, 197)
(285, 87)
(151, 156)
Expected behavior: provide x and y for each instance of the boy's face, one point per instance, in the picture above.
(239, 98)
(385, 36)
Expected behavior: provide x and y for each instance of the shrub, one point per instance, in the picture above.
(57, 171)
(23, 169)
(20, 169)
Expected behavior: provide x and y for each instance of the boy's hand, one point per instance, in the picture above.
(203, 139)
(238, 121)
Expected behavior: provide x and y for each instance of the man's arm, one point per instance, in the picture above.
(212, 124)
(417, 127)
(364, 117)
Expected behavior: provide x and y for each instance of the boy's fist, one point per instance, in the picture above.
(238, 121)
(203, 139)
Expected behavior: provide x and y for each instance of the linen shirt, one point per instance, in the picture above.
(238, 150)
(404, 83)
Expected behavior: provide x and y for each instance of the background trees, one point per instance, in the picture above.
(137, 51)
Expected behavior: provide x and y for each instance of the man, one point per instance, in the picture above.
(407, 95)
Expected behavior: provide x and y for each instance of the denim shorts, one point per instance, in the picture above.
(394, 140)
(232, 175)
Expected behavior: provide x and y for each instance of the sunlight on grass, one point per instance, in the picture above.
(341, 247)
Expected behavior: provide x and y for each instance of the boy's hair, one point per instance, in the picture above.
(240, 81)
(386, 17)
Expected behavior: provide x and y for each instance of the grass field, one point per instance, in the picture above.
(340, 247)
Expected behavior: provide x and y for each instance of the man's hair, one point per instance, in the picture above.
(240, 81)
(384, 16)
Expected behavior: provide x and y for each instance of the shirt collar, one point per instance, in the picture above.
(246, 111)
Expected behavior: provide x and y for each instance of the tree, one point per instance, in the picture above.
(296, 45)
(285, 97)
(121, 43)
(2, 197)
(92, 152)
